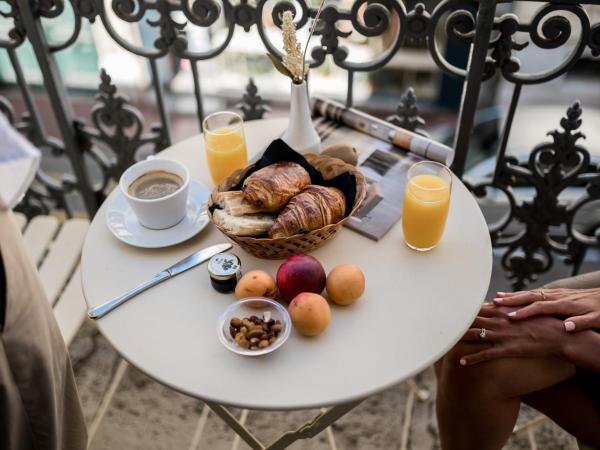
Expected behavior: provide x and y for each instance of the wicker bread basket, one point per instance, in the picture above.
(300, 243)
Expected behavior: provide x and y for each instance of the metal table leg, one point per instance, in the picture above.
(311, 429)
(306, 431)
(236, 426)
(318, 424)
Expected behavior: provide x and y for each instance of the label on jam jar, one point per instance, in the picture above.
(224, 265)
(225, 269)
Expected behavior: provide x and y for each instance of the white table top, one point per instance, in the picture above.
(415, 307)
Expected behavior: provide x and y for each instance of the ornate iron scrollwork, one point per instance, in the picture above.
(171, 31)
(118, 135)
(547, 30)
(203, 13)
(407, 113)
(86, 8)
(49, 8)
(330, 35)
(244, 15)
(503, 46)
(368, 18)
(530, 230)
(253, 106)
(16, 35)
(417, 22)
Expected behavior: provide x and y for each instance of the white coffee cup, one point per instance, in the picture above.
(163, 212)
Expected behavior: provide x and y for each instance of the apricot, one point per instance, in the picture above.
(310, 313)
(345, 284)
(256, 283)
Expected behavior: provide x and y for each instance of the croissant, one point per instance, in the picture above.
(271, 187)
(315, 207)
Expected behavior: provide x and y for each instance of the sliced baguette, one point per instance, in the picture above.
(250, 225)
(235, 203)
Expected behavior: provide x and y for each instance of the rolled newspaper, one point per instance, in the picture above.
(407, 140)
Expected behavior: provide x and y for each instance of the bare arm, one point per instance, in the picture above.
(583, 350)
(537, 336)
(579, 308)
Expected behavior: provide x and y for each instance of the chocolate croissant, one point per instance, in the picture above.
(315, 207)
(271, 187)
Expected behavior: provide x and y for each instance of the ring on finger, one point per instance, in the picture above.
(543, 294)
(482, 334)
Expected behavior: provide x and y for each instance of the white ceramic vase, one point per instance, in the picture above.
(301, 134)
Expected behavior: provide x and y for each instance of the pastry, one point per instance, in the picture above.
(235, 203)
(271, 187)
(249, 225)
(345, 152)
(315, 207)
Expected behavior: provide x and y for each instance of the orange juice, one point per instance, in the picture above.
(426, 203)
(225, 152)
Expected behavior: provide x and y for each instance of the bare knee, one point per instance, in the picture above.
(457, 380)
(496, 378)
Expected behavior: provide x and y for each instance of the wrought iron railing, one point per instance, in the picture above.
(114, 133)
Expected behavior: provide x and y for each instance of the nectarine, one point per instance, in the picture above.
(300, 273)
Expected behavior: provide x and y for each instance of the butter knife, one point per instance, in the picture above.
(187, 263)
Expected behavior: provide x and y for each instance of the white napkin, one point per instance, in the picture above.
(19, 161)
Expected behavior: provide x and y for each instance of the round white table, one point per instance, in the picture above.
(415, 307)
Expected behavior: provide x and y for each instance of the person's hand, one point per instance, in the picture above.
(536, 337)
(580, 308)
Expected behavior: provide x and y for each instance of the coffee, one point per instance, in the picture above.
(155, 184)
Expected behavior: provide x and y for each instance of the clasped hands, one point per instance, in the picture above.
(532, 323)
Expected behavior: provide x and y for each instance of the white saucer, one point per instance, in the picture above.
(123, 223)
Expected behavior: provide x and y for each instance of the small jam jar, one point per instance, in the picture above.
(224, 269)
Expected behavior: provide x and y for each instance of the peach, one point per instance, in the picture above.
(256, 283)
(345, 284)
(310, 313)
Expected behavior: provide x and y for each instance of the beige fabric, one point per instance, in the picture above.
(583, 281)
(39, 405)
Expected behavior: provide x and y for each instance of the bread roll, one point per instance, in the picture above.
(345, 152)
(235, 203)
(250, 225)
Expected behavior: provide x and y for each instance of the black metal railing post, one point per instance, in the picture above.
(59, 100)
(484, 23)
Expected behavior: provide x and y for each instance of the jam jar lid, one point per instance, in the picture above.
(224, 266)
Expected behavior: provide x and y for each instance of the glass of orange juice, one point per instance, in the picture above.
(426, 204)
(225, 144)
